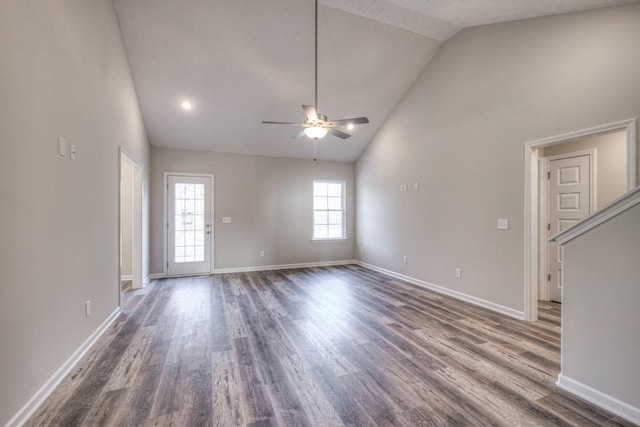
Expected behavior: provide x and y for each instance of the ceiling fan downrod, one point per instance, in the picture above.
(316, 57)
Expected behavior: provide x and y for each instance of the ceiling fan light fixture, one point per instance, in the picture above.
(316, 125)
(316, 132)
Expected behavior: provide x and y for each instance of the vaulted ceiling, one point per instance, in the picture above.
(243, 61)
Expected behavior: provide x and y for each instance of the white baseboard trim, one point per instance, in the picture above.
(455, 294)
(282, 266)
(600, 399)
(32, 405)
(261, 268)
(127, 277)
(146, 280)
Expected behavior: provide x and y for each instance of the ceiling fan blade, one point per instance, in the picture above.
(310, 112)
(281, 123)
(298, 135)
(338, 133)
(354, 121)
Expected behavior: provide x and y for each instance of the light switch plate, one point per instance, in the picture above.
(226, 220)
(503, 224)
(72, 151)
(62, 146)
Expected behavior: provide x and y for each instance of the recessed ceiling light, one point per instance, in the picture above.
(350, 126)
(186, 105)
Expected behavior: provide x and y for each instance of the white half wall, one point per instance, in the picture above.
(600, 316)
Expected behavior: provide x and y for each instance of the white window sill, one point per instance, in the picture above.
(341, 239)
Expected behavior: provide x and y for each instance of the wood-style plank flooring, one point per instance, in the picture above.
(316, 347)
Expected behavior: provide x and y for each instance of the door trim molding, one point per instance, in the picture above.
(165, 252)
(137, 272)
(531, 197)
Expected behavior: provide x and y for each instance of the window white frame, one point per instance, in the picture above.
(343, 185)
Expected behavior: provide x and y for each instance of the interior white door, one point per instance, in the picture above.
(569, 202)
(189, 230)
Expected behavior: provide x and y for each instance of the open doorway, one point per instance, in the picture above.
(538, 156)
(130, 202)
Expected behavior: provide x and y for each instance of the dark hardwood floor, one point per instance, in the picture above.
(319, 346)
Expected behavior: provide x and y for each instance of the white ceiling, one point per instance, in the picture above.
(243, 61)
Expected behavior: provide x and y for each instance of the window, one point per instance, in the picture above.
(189, 211)
(328, 210)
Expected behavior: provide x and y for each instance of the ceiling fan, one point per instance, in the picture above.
(316, 125)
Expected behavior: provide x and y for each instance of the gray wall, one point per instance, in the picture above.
(460, 132)
(63, 72)
(611, 163)
(269, 200)
(600, 321)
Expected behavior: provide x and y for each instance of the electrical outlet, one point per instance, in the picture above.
(261, 252)
(458, 273)
(404, 259)
(87, 308)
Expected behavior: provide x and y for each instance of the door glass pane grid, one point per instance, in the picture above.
(328, 216)
(189, 223)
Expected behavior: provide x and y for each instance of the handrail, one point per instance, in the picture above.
(619, 205)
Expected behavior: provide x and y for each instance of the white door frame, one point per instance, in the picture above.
(165, 262)
(531, 197)
(136, 262)
(543, 291)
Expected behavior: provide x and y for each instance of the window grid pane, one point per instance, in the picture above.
(328, 215)
(189, 223)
